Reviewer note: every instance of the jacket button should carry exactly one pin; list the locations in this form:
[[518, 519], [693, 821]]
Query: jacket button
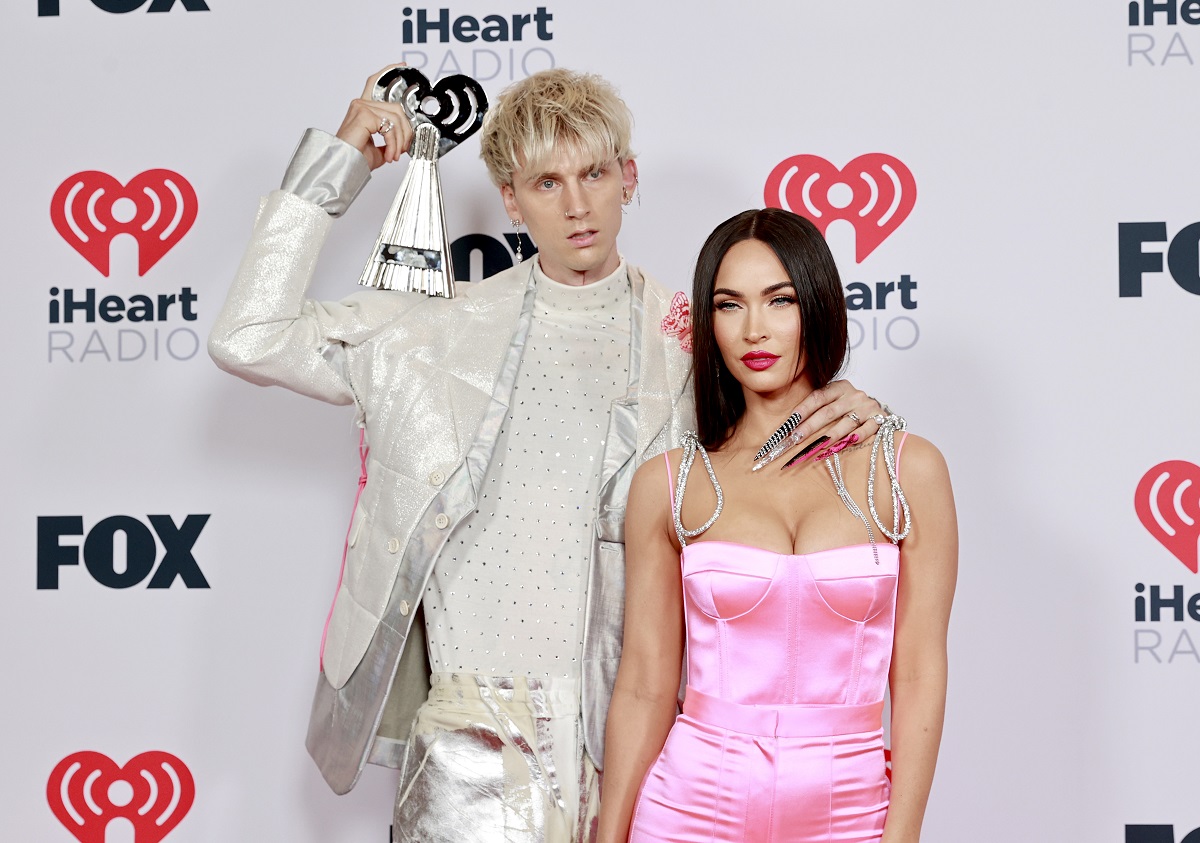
[[404, 607], [441, 521], [436, 478], [393, 545]]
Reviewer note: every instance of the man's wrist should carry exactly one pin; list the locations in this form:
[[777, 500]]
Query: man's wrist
[[326, 171]]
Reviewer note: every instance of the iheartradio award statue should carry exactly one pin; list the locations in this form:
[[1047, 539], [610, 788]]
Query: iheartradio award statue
[[412, 251]]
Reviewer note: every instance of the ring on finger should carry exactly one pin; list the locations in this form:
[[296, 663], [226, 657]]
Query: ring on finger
[[853, 416], [385, 126]]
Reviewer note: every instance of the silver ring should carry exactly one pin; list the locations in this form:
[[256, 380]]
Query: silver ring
[[853, 416], [385, 126]]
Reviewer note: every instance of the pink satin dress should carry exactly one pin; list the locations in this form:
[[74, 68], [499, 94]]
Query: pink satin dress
[[781, 738]]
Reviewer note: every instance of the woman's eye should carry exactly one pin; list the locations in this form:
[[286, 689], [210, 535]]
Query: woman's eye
[[783, 301], [725, 305]]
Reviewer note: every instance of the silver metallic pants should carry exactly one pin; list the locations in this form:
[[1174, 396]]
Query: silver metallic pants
[[497, 760]]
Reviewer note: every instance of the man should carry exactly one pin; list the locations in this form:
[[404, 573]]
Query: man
[[503, 428]]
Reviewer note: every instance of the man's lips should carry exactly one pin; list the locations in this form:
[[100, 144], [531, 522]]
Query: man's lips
[[583, 238], [759, 360]]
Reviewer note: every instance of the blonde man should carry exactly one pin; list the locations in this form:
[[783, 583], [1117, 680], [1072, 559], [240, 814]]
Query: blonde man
[[475, 635]]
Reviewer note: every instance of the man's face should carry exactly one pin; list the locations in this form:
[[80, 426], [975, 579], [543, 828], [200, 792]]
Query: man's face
[[572, 208]]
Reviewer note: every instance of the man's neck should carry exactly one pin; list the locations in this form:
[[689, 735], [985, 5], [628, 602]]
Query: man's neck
[[579, 278]]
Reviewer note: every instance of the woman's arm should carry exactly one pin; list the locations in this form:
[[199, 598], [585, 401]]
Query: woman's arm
[[928, 569], [645, 697]]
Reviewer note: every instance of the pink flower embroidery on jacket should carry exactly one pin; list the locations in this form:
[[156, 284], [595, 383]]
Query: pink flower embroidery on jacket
[[678, 322]]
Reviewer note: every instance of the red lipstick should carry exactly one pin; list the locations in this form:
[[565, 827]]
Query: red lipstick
[[759, 360]]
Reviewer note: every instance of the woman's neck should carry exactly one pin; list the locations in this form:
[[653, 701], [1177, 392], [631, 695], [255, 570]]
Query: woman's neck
[[765, 413]]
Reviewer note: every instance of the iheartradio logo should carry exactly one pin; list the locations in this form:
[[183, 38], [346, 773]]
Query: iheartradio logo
[[1168, 503], [152, 793], [156, 208], [874, 193]]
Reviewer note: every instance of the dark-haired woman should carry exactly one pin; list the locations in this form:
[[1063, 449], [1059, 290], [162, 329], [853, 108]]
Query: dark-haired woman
[[806, 592]]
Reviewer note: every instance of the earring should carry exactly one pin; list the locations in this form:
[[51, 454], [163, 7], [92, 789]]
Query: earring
[[516, 224], [637, 190], [625, 199]]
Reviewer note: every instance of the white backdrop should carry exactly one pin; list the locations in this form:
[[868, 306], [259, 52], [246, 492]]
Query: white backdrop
[[1032, 131]]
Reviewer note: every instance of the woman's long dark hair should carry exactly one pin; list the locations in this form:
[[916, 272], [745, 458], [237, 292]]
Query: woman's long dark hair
[[806, 259]]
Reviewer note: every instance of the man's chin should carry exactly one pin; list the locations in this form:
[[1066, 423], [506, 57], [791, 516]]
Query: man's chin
[[590, 262]]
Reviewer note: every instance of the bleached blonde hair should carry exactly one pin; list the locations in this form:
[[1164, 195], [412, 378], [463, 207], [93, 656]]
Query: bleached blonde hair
[[537, 116]]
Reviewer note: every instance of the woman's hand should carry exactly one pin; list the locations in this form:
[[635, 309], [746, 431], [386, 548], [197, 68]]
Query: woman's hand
[[367, 117], [842, 413]]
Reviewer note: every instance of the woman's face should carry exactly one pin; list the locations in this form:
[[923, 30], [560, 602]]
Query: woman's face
[[756, 319]]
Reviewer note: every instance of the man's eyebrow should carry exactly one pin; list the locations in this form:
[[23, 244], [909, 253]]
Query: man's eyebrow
[[539, 175], [593, 167], [556, 176]]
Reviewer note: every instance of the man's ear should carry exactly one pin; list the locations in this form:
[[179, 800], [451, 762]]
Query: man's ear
[[629, 176], [510, 202]]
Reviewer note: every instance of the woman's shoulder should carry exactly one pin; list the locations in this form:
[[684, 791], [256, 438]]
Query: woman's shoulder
[[654, 470], [919, 460]]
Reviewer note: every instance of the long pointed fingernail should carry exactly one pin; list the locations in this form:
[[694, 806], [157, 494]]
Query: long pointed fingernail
[[808, 449], [787, 427], [837, 447], [788, 442]]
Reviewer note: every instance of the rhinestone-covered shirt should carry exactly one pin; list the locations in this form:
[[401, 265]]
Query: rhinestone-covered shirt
[[506, 596]]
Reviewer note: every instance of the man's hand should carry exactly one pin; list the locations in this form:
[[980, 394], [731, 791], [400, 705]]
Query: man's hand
[[366, 118]]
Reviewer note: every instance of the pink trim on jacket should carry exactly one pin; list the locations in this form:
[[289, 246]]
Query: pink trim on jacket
[[363, 452]]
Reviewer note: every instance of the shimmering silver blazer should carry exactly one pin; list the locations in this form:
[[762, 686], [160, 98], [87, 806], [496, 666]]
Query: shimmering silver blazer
[[431, 379]]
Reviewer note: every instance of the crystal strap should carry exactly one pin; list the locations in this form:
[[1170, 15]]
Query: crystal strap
[[691, 444], [834, 464], [888, 425], [887, 436]]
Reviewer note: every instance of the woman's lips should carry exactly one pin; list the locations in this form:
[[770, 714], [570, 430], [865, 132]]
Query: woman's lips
[[759, 360]]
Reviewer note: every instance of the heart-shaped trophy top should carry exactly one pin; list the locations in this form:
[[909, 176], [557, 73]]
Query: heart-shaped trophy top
[[461, 102]]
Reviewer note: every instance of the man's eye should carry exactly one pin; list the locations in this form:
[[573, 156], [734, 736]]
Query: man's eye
[[546, 184]]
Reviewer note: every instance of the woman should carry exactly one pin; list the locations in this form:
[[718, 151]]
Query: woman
[[798, 609]]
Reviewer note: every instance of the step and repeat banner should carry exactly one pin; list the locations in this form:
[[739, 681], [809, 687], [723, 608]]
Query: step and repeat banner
[[1010, 191]]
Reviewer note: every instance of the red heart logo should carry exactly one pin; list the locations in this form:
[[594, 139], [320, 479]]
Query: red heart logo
[[164, 208], [1168, 503], [87, 790], [879, 194]]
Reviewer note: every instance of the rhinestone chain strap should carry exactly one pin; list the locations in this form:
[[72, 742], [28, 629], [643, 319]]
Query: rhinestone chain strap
[[691, 444], [888, 425], [887, 435], [834, 464]]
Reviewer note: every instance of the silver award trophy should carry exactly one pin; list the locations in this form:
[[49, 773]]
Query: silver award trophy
[[413, 249]]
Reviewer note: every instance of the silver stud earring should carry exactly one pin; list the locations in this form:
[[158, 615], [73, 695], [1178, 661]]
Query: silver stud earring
[[516, 224]]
